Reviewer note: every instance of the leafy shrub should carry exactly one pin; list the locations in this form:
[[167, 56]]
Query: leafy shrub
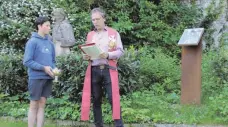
[[129, 65], [220, 65], [162, 69], [210, 80], [13, 77], [72, 76], [218, 105], [216, 69]]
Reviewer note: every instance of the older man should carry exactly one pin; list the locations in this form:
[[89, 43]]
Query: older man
[[102, 72]]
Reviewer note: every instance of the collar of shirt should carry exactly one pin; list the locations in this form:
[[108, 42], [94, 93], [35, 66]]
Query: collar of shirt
[[105, 29]]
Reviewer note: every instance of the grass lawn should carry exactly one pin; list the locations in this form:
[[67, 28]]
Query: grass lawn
[[17, 124], [8, 123]]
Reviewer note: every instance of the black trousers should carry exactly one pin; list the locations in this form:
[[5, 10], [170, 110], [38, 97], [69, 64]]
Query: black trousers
[[101, 79]]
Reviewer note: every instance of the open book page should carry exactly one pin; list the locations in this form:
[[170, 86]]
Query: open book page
[[92, 50]]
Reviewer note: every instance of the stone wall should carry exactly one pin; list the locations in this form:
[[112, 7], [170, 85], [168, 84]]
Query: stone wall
[[220, 25]]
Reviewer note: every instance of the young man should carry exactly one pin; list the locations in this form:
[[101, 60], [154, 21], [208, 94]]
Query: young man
[[39, 57], [102, 72]]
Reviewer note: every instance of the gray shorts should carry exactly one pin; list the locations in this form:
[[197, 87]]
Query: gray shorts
[[39, 88]]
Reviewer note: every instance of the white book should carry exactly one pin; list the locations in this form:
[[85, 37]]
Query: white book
[[91, 50]]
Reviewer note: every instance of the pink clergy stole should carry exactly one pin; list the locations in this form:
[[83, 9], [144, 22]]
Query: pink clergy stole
[[86, 94]]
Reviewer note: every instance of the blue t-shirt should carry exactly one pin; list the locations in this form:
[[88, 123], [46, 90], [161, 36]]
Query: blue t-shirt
[[39, 52]]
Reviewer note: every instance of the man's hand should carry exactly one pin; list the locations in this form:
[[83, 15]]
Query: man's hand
[[48, 70], [104, 55], [86, 57]]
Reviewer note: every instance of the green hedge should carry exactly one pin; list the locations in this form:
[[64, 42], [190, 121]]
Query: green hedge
[[135, 72], [137, 21], [13, 75], [146, 67]]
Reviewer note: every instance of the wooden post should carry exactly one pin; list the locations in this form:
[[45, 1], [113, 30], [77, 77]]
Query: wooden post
[[191, 42], [191, 74]]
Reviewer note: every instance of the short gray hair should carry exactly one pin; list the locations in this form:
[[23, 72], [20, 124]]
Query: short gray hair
[[98, 10]]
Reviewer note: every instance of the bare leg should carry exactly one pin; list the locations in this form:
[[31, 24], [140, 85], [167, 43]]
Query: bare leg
[[40, 114], [32, 113]]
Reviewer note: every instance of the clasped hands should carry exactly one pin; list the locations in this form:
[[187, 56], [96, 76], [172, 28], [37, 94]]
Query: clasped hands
[[103, 55], [51, 72]]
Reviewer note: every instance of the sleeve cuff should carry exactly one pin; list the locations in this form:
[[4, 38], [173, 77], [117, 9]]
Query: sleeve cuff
[[111, 55], [41, 67]]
